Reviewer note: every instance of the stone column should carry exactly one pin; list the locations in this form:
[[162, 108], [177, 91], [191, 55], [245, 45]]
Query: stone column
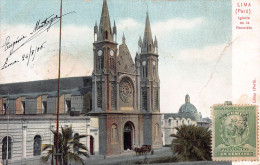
[[24, 142], [88, 135]]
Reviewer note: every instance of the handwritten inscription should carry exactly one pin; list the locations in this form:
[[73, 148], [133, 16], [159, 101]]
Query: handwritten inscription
[[27, 56], [11, 46], [46, 23]]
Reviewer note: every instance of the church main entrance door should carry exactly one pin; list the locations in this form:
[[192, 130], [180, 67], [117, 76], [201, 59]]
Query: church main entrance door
[[128, 136]]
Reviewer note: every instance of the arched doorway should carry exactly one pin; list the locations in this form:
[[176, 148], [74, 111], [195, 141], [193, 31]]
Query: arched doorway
[[91, 145], [128, 135]]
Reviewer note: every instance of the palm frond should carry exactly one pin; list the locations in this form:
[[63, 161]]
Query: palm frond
[[46, 146], [81, 136], [83, 153], [75, 157], [45, 158]]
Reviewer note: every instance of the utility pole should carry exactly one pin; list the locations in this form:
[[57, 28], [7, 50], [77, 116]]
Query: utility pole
[[7, 141], [58, 92]]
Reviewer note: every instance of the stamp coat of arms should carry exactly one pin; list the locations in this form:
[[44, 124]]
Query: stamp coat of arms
[[234, 132]]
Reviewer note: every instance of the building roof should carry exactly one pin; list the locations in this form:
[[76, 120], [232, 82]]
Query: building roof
[[187, 107], [72, 85], [187, 110]]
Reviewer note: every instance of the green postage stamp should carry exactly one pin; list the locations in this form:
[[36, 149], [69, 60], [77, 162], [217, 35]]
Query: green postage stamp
[[234, 132]]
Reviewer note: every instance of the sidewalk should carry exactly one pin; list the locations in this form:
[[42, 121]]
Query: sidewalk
[[127, 158]]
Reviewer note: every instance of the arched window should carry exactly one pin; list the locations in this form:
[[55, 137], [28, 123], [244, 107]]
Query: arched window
[[7, 147], [106, 34], [37, 145], [76, 138], [144, 69], [169, 122], [156, 127], [154, 63], [113, 133], [95, 37]]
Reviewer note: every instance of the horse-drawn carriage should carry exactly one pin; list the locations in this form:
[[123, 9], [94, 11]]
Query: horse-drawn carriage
[[143, 150]]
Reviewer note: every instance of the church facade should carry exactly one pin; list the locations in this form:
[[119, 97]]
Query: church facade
[[118, 106], [125, 93]]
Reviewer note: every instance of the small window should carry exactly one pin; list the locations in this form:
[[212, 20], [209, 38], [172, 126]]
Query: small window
[[37, 145], [44, 107], [170, 122], [23, 107], [4, 108], [68, 105]]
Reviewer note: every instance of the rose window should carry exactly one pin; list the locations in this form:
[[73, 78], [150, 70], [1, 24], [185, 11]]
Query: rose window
[[126, 90]]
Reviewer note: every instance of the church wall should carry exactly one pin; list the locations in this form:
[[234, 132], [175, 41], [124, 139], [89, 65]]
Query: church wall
[[111, 146], [147, 129], [156, 131], [102, 135], [140, 131], [114, 144]]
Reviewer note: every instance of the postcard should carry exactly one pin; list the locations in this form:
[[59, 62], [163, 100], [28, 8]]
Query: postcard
[[130, 75]]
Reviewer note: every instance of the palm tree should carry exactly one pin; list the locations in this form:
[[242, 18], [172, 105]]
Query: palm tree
[[69, 147], [191, 143]]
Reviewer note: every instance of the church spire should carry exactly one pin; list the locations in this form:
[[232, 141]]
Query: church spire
[[123, 39], [105, 32], [148, 46]]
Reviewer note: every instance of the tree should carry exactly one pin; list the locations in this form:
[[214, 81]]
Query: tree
[[191, 143], [69, 147]]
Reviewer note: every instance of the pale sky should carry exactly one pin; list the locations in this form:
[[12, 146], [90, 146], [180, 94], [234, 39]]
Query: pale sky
[[193, 37]]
